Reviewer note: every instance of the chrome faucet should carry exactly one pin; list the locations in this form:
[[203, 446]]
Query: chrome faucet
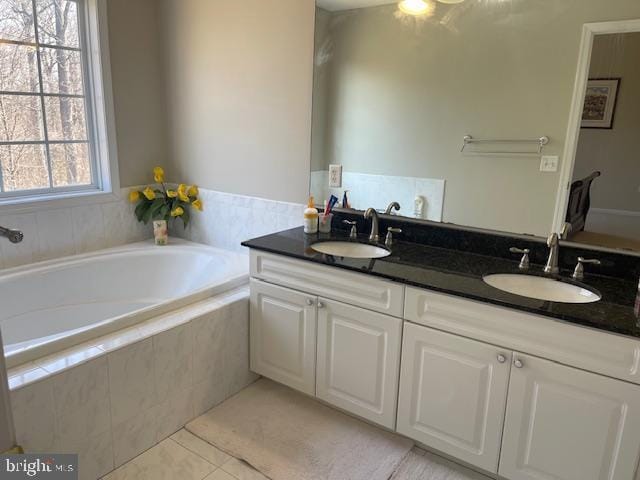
[[371, 213], [578, 273], [14, 236], [553, 242], [392, 206]]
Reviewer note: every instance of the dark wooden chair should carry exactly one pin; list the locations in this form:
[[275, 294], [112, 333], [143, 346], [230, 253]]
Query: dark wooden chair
[[580, 203]]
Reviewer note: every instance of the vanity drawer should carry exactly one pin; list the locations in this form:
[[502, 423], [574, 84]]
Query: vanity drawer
[[600, 352], [329, 282]]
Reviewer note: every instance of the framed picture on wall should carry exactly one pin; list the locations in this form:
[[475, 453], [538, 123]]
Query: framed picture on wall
[[600, 103]]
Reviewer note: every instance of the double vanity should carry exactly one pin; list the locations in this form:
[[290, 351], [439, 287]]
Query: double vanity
[[414, 336]]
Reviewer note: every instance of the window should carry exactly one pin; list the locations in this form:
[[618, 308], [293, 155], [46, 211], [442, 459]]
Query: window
[[48, 134]]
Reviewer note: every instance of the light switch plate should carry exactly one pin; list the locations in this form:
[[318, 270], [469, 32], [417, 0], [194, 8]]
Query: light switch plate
[[549, 163], [335, 176]]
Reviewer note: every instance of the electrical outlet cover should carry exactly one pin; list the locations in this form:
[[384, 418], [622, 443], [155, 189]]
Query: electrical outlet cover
[[549, 163], [335, 176]]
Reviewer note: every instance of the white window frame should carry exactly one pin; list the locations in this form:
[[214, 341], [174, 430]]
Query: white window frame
[[101, 132]]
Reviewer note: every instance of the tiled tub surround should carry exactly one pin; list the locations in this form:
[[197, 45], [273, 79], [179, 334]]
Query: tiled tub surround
[[229, 219], [52, 305], [116, 397], [378, 191], [60, 232]]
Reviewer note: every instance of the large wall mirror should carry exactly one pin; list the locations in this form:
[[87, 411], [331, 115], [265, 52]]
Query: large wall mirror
[[471, 112]]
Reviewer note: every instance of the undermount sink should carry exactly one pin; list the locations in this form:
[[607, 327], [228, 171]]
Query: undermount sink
[[350, 250], [542, 288]]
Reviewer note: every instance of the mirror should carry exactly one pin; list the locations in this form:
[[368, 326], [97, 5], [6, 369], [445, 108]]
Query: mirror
[[604, 203], [463, 113]]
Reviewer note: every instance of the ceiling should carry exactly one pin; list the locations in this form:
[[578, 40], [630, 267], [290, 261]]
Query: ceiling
[[337, 5]]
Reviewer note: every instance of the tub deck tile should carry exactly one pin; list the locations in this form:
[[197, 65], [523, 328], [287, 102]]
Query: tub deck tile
[[71, 357], [25, 374]]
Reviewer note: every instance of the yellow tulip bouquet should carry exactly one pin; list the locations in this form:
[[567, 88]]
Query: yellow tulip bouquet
[[164, 203]]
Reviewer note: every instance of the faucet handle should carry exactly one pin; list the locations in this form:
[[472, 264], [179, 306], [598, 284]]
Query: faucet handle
[[578, 273], [390, 231], [524, 262], [354, 231]]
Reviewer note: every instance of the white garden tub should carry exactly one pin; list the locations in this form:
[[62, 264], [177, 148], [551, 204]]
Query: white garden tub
[[48, 306]]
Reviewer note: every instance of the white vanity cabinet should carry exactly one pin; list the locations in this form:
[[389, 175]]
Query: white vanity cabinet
[[566, 424], [452, 394], [358, 361], [321, 340], [283, 335], [519, 395], [561, 423]]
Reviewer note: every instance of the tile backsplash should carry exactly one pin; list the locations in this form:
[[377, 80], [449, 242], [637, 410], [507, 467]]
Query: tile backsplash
[[378, 191], [55, 233]]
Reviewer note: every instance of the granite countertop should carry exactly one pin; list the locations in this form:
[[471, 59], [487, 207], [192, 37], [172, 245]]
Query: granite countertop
[[460, 273]]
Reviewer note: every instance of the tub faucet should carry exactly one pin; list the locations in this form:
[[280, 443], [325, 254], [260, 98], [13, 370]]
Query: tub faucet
[[14, 236], [554, 250], [392, 206], [371, 213]]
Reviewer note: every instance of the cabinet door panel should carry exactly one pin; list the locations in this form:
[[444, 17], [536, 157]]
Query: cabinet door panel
[[567, 424], [283, 335], [452, 395], [358, 361]]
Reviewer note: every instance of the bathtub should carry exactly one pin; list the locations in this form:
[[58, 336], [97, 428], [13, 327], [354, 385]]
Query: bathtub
[[49, 306]]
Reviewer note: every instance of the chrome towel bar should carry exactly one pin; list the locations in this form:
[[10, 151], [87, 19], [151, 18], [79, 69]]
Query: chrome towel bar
[[541, 142]]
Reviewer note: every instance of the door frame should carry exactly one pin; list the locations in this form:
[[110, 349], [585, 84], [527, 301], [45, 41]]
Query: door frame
[[589, 32]]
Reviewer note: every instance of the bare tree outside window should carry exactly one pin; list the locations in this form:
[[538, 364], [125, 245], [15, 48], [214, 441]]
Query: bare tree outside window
[[43, 117]]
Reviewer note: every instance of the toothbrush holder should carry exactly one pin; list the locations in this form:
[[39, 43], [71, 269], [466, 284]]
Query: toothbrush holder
[[325, 223]]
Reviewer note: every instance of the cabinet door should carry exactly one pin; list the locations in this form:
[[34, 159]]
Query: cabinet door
[[567, 424], [452, 394], [358, 360], [283, 335]]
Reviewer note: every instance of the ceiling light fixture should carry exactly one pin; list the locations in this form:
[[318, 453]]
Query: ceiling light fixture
[[421, 7], [414, 7]]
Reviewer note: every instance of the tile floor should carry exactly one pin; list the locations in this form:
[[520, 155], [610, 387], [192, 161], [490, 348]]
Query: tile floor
[[183, 456]]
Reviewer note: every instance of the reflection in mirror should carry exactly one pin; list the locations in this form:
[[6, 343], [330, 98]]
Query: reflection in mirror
[[395, 95], [604, 203]]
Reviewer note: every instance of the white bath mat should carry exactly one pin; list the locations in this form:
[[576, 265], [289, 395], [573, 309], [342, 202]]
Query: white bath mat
[[288, 436], [421, 465]]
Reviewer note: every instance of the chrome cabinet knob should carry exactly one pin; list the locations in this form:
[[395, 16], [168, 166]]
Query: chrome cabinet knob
[[518, 363], [309, 302], [502, 358], [320, 305]]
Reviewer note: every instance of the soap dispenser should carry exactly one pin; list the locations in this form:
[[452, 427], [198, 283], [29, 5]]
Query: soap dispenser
[[311, 218]]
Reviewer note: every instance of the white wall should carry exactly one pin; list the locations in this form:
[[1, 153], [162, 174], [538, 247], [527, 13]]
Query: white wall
[[239, 86], [401, 97], [138, 88]]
